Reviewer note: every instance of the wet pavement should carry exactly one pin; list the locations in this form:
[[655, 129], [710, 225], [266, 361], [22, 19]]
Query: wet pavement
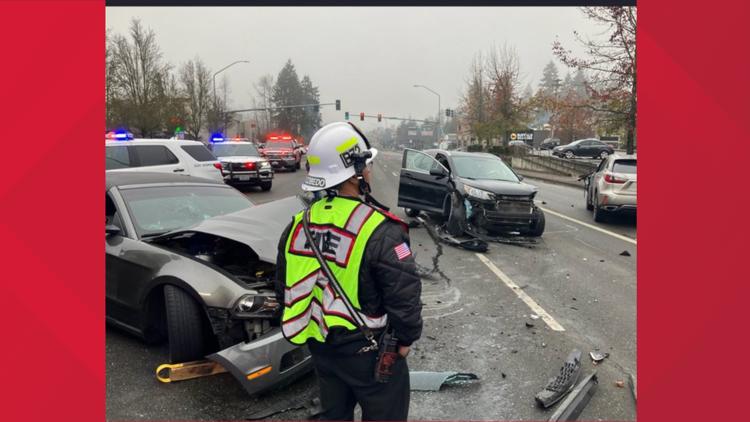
[[475, 321]]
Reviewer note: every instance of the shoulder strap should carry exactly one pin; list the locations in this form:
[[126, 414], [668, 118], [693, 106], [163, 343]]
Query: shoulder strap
[[336, 286]]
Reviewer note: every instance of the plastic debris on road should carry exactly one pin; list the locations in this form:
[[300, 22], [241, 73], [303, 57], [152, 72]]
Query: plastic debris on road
[[433, 381], [598, 356], [559, 386], [625, 253]]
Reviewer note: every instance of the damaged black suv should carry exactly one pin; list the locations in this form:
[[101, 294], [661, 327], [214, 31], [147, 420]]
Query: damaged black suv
[[471, 191]]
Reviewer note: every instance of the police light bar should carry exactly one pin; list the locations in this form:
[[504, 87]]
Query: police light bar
[[217, 137], [120, 135]]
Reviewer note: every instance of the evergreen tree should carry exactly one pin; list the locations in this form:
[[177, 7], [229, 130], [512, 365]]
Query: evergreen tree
[[312, 119], [288, 92]]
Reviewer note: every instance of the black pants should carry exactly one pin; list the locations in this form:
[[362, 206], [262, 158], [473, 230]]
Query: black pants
[[348, 379]]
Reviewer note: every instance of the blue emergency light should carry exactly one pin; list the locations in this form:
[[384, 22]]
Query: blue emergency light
[[120, 135], [217, 137]]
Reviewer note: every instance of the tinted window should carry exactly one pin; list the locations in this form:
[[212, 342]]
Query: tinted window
[[199, 152], [117, 157], [624, 166], [487, 168], [161, 209], [228, 150], [154, 155]]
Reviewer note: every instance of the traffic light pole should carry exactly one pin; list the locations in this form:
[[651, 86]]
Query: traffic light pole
[[279, 108]]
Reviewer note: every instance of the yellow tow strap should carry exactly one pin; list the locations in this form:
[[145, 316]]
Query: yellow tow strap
[[170, 372]]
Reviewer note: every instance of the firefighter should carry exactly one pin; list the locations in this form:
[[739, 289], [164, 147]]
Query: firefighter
[[367, 250]]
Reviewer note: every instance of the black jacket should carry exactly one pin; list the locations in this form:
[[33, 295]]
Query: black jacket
[[386, 284]]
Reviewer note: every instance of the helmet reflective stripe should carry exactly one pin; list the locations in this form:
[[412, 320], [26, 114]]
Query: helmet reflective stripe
[[330, 155], [349, 144]]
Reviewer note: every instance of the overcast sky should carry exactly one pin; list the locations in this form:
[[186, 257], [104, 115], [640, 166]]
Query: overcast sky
[[369, 57]]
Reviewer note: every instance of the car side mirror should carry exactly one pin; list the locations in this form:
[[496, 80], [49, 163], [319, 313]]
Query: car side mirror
[[438, 171], [112, 230]]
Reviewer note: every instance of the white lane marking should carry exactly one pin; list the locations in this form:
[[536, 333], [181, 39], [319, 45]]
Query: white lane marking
[[394, 174], [591, 226], [443, 315], [554, 325]]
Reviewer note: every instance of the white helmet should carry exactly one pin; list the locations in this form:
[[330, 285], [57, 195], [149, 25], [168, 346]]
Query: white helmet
[[331, 155]]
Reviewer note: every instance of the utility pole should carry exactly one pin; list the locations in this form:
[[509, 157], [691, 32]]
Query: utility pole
[[439, 129]]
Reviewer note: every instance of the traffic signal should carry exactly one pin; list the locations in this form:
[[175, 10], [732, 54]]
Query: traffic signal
[[380, 117], [346, 115], [362, 116], [447, 112], [338, 105]]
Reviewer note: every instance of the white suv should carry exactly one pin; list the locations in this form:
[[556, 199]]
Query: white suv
[[162, 155]]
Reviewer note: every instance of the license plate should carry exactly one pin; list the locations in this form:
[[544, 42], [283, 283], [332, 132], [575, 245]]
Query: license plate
[[243, 178]]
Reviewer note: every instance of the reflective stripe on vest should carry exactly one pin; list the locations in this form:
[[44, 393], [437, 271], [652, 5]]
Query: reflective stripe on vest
[[341, 228]]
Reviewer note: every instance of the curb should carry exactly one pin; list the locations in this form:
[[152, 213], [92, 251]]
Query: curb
[[550, 179]]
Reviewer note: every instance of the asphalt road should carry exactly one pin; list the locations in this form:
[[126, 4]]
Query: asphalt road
[[474, 322]]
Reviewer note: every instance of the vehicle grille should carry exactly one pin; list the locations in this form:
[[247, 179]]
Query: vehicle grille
[[235, 167], [513, 205]]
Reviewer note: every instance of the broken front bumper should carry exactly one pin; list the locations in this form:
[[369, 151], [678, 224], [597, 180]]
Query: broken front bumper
[[264, 363], [502, 215]]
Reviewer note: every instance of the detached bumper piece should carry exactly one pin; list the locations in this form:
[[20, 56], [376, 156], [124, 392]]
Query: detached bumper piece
[[573, 405], [433, 381], [559, 386], [268, 362]]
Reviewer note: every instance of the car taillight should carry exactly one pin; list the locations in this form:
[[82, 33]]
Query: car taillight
[[611, 178], [250, 166]]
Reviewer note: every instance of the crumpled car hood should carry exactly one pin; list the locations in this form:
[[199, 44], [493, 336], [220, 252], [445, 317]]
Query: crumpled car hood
[[259, 227]]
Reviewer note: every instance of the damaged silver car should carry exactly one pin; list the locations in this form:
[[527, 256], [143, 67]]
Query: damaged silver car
[[192, 261]]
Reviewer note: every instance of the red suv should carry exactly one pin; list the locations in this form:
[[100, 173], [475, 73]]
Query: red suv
[[283, 151]]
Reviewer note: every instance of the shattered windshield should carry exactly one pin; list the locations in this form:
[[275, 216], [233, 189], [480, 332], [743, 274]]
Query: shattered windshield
[[483, 168], [158, 210]]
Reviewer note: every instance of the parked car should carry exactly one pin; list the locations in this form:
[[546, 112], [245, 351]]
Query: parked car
[[593, 148], [192, 261], [283, 151], [469, 191], [612, 187], [242, 164], [520, 145], [549, 143], [161, 155]]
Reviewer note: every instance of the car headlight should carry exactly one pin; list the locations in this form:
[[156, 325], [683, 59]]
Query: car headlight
[[478, 193], [255, 306]]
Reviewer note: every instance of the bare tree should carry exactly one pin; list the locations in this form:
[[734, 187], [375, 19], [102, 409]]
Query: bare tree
[[138, 72], [264, 91], [476, 99], [195, 79], [611, 66]]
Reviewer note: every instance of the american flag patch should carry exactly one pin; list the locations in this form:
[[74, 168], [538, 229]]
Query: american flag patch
[[402, 251]]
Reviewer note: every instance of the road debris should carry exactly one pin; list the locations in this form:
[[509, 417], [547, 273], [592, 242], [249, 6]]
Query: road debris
[[625, 253], [534, 316], [598, 356], [529, 324], [633, 386], [559, 386], [434, 381], [312, 405], [573, 405], [620, 384]]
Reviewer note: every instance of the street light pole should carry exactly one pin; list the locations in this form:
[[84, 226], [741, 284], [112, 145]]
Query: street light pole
[[221, 70], [439, 128]]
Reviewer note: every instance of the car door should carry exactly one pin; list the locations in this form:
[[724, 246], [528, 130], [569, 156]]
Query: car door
[[158, 158], [128, 268], [417, 188]]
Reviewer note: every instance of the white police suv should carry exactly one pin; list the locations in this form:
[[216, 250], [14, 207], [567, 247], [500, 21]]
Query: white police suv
[[124, 154], [241, 162]]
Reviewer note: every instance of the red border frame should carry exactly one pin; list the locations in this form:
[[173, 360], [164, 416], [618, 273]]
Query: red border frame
[[694, 106], [52, 75]]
